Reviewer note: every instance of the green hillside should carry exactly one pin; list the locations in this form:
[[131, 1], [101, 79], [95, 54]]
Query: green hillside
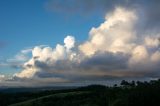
[[52, 99], [77, 98]]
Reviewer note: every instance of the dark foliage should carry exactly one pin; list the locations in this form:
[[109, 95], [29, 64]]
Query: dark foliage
[[127, 94]]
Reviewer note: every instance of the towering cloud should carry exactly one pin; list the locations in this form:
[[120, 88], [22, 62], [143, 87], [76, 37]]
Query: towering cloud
[[116, 34], [113, 50]]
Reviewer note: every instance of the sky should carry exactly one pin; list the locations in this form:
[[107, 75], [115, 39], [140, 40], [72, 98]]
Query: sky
[[77, 42], [25, 24]]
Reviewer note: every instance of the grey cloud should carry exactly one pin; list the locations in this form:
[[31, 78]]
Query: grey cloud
[[59, 65], [29, 65], [101, 66], [148, 10], [152, 13], [84, 6], [106, 61]]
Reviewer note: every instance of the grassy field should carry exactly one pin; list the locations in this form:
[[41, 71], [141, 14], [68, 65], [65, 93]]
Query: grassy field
[[51, 99]]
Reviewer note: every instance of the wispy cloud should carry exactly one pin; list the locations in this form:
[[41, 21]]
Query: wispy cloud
[[18, 60]]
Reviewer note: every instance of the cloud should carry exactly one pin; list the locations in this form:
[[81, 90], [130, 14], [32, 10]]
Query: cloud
[[17, 61], [155, 56], [115, 34], [84, 6], [2, 78], [114, 50], [148, 10], [26, 51], [18, 58], [46, 57], [69, 42], [152, 41]]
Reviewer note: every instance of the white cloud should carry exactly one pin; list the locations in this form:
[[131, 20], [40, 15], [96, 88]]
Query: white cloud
[[2, 77], [113, 50], [156, 56], [26, 73], [152, 41], [22, 56], [26, 51], [49, 56], [17, 61], [139, 55], [69, 42], [114, 35], [18, 58]]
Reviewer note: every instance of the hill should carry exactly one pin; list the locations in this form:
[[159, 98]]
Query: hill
[[126, 94]]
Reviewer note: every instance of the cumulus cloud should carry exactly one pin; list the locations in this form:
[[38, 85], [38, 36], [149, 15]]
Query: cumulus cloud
[[152, 41], [114, 35], [45, 57], [113, 50], [118, 35], [156, 56], [69, 42]]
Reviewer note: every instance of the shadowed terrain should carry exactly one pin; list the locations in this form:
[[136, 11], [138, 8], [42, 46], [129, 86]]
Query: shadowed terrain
[[126, 94]]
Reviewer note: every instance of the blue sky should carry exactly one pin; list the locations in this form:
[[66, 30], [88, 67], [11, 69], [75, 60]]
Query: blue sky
[[25, 24]]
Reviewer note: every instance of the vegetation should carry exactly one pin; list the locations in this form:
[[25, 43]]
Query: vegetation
[[126, 94]]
